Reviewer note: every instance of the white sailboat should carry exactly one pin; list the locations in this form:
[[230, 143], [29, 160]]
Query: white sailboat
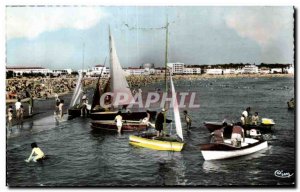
[[120, 96], [77, 92], [165, 143], [118, 83]]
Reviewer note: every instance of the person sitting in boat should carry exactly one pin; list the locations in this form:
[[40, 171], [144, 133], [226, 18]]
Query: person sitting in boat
[[147, 119], [255, 119], [118, 120], [237, 135], [107, 102], [188, 119], [36, 154], [125, 109], [159, 123], [245, 116], [218, 134]]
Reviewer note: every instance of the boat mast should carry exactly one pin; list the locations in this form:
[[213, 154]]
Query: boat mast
[[166, 67], [83, 46], [166, 53]]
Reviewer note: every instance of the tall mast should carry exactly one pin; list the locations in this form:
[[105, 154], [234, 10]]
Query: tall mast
[[83, 46], [166, 67], [166, 53]]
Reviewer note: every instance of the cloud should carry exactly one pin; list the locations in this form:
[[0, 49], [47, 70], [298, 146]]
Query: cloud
[[262, 24], [30, 22]]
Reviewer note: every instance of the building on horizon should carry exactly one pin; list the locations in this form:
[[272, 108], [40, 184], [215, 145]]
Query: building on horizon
[[18, 71], [250, 69], [176, 68]]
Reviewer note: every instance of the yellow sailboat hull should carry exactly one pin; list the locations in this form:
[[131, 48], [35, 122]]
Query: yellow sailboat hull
[[155, 144]]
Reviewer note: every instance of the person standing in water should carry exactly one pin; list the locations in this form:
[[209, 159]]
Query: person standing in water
[[21, 118], [18, 107], [188, 119], [10, 117], [30, 107], [118, 120], [60, 109], [57, 102], [36, 154]]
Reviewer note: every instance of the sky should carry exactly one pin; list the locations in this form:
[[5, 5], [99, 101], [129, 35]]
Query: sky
[[76, 37]]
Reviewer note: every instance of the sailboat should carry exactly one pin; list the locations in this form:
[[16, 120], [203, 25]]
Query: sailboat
[[118, 84], [165, 143], [75, 108]]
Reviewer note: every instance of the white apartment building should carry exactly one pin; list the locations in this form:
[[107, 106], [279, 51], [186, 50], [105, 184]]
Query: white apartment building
[[176, 68]]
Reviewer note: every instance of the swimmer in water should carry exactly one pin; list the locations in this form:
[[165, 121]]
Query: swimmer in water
[[36, 153]]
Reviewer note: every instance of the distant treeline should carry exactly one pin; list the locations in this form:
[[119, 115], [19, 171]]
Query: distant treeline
[[240, 65]]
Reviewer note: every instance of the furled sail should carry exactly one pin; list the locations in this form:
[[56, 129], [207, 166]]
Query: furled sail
[[176, 111], [119, 85], [77, 92]]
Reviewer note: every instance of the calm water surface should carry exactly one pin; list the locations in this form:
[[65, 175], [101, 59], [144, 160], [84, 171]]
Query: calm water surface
[[79, 156]]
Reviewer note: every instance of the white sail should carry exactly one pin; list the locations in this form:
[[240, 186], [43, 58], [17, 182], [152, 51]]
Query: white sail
[[118, 83], [176, 111], [78, 90]]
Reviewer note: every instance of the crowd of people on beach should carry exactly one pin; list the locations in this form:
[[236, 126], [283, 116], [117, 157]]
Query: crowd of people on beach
[[37, 87]]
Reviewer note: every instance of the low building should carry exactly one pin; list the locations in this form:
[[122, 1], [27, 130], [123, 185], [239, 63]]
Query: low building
[[97, 70], [229, 71], [134, 71], [264, 70], [290, 69], [250, 69], [58, 72], [214, 71], [276, 70], [33, 70], [160, 70], [192, 70]]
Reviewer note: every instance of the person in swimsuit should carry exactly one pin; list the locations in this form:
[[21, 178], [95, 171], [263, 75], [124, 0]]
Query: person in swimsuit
[[36, 154]]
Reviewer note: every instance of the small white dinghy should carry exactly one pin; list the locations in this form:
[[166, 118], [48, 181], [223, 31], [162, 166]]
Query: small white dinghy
[[216, 151]]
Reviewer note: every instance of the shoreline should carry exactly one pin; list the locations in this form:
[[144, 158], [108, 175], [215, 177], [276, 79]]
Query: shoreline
[[157, 78], [226, 76]]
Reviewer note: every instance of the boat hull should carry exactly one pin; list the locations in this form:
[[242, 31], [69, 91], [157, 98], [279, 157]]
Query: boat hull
[[111, 125], [155, 144], [125, 116], [216, 151], [74, 112], [212, 126]]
